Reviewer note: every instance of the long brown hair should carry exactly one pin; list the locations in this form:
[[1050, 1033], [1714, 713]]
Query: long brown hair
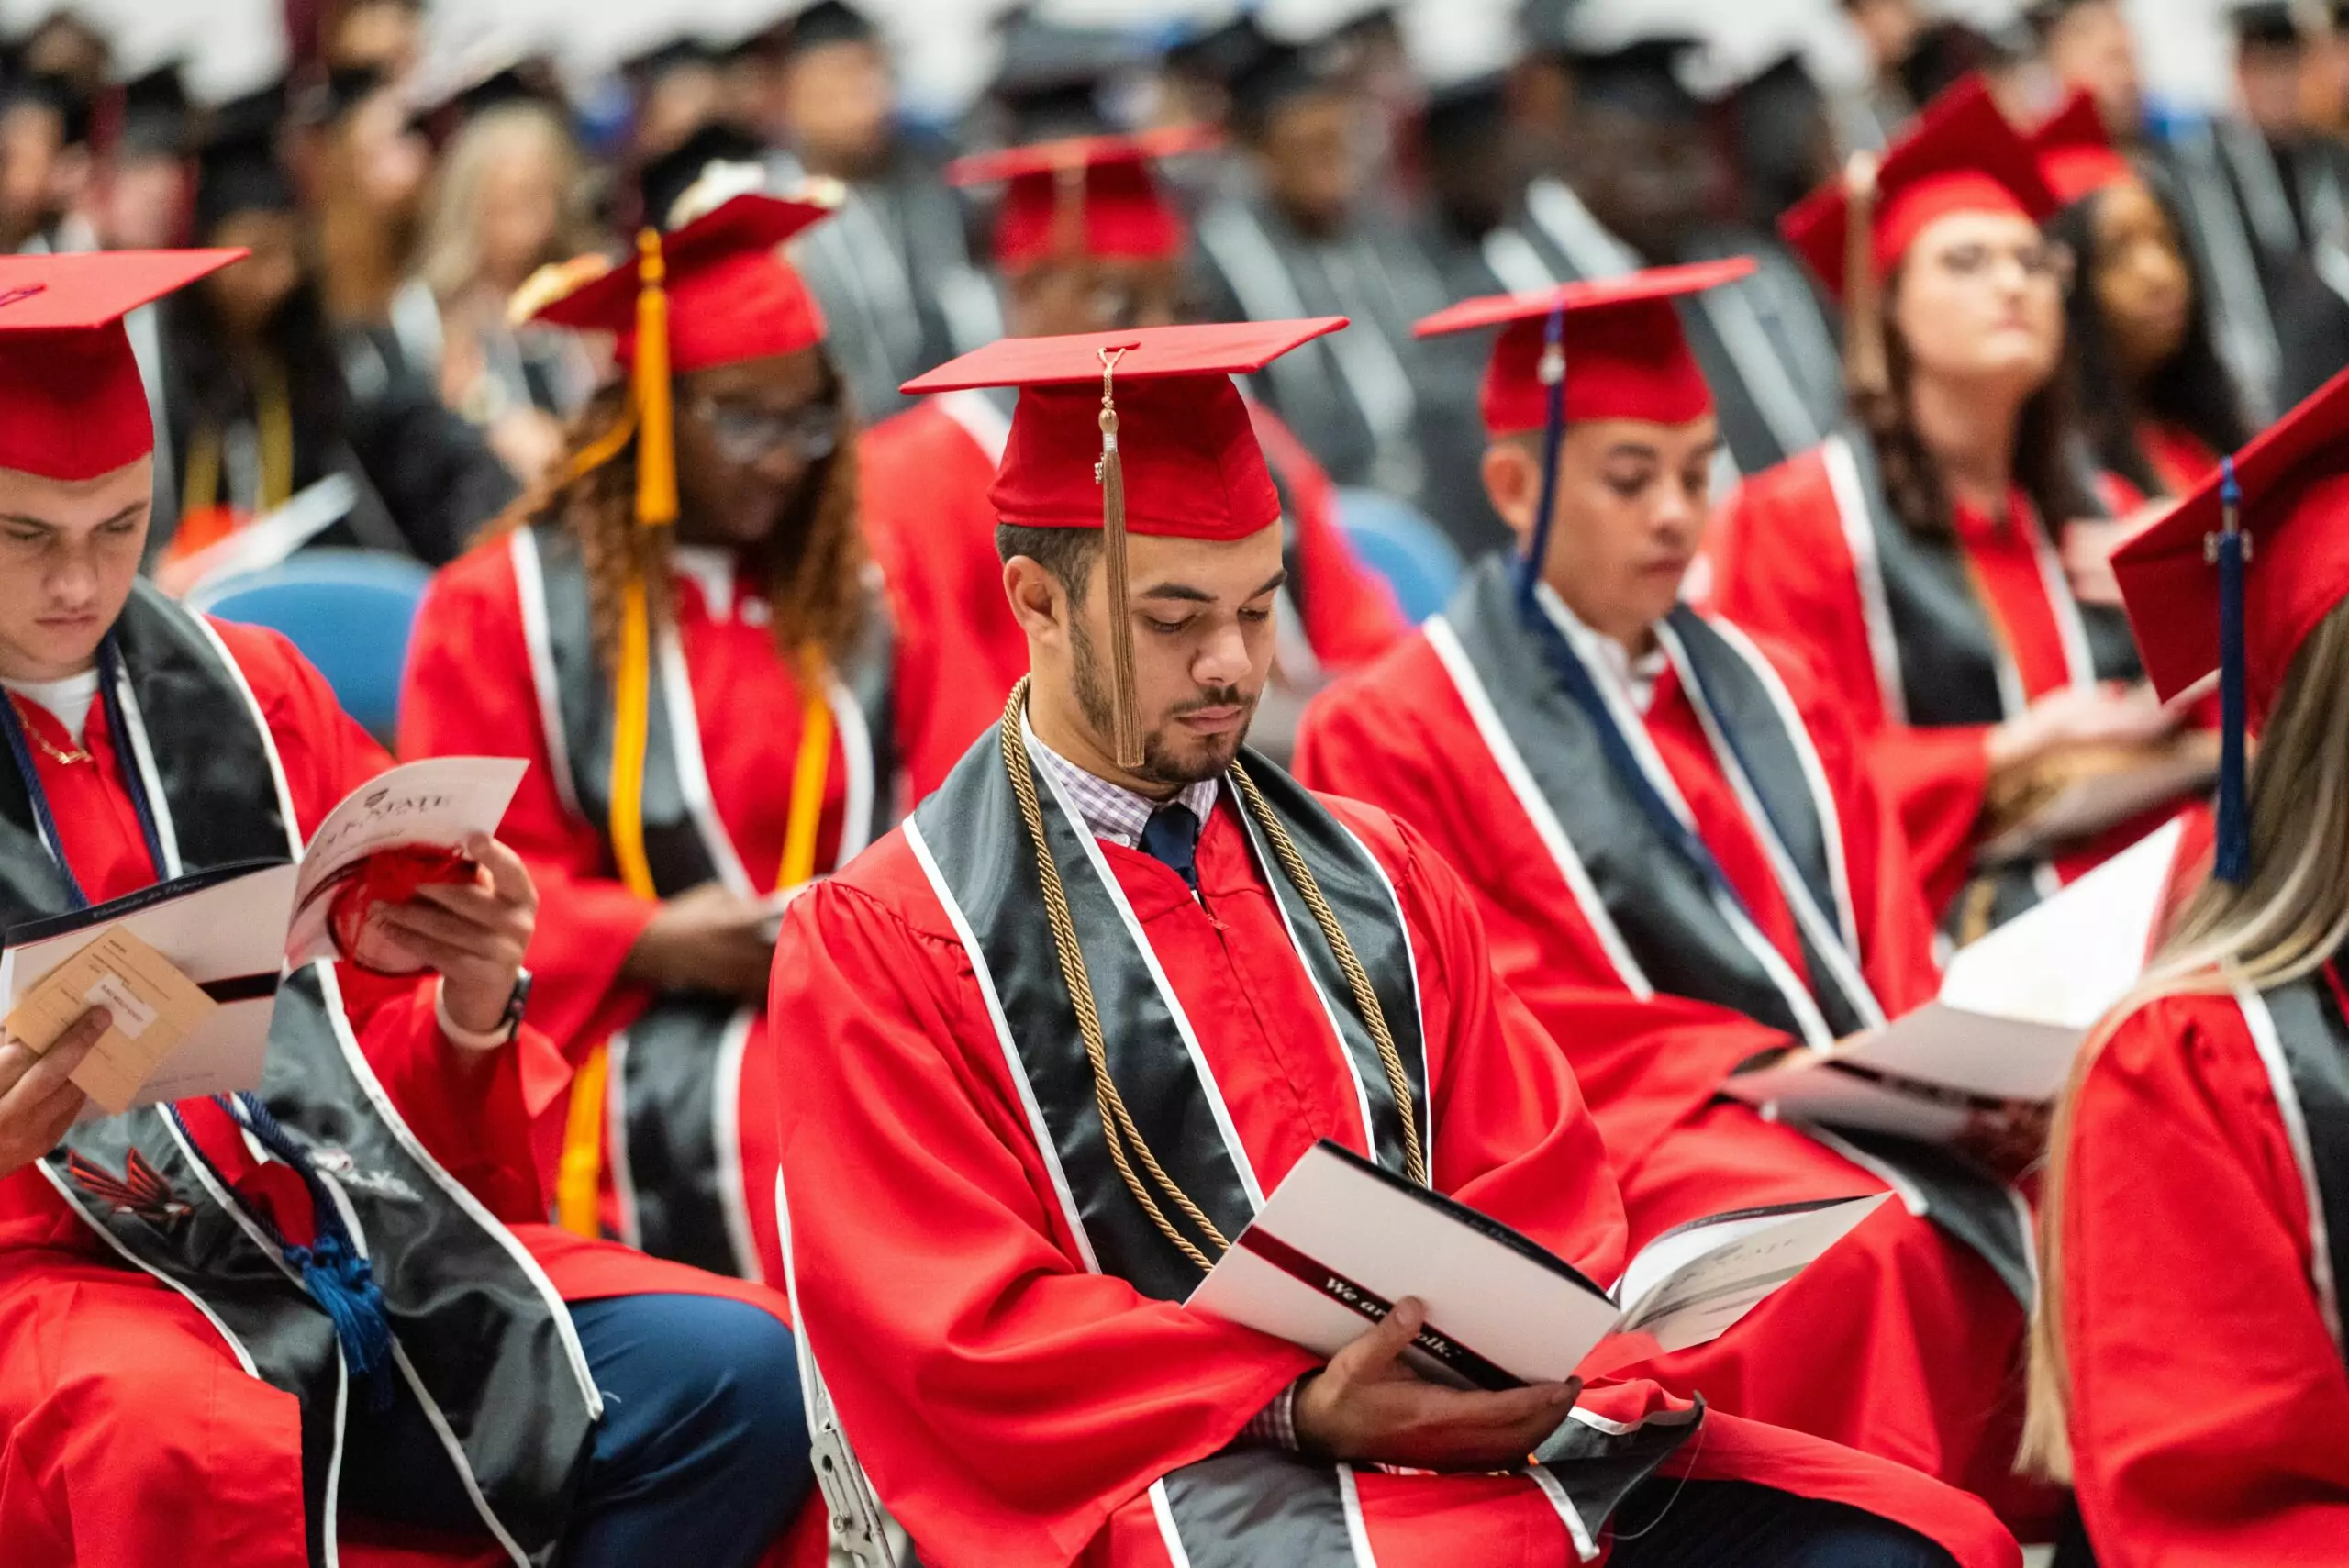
[[2282, 923], [817, 595], [2045, 440]]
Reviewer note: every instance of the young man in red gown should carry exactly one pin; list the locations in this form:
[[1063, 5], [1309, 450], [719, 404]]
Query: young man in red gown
[[318, 1320], [1087, 240], [1645, 800], [1055, 1038]]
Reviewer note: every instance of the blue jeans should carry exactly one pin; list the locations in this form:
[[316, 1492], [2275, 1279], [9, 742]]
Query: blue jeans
[[701, 1456], [1737, 1524]]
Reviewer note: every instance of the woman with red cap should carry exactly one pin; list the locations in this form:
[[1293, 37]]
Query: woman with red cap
[[1086, 241], [1648, 802], [2157, 403], [1915, 559], [680, 635], [323, 1321], [2189, 1369]]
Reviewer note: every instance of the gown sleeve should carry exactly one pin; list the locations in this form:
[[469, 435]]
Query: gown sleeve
[[1004, 1400], [470, 692], [474, 1123], [1780, 567], [2210, 1410]]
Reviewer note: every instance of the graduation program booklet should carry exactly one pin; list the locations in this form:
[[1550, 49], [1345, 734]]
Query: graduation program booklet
[[1998, 1042], [190, 967], [1341, 1240]]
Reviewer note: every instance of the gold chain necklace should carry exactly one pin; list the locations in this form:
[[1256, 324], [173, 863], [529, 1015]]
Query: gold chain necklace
[[25, 722], [1127, 1145]]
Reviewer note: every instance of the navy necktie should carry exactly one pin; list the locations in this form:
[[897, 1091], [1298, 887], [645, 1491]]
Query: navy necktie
[[1172, 839]]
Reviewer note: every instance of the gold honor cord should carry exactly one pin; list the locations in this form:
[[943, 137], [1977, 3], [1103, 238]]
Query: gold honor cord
[[1127, 1145]]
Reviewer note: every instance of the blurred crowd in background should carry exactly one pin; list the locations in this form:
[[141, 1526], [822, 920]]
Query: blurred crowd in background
[[400, 168]]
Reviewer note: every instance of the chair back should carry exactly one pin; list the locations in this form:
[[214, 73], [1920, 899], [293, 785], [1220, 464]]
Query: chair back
[[349, 611], [1396, 539]]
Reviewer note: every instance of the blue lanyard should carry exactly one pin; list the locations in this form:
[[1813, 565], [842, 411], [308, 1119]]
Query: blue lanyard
[[117, 729], [1575, 677]]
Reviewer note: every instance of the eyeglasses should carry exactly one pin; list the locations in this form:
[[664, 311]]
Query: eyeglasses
[[746, 434], [2037, 260]]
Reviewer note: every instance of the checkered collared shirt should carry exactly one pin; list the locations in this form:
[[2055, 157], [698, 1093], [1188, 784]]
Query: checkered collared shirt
[[1112, 811]]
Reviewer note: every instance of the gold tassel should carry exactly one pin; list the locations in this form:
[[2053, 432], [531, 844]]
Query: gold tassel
[[631, 720], [1865, 367], [1125, 719], [579, 1173], [809, 772], [656, 437]]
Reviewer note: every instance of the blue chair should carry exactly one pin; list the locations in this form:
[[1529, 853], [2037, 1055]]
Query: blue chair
[[350, 612], [1394, 540]]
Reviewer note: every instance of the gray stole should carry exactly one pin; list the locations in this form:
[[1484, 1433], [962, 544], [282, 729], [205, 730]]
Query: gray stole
[[1664, 925], [1938, 656], [676, 1072], [484, 1342], [2303, 1039], [1243, 1507]]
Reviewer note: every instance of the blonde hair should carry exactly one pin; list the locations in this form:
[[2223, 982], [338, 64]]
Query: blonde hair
[[2279, 926], [451, 253]]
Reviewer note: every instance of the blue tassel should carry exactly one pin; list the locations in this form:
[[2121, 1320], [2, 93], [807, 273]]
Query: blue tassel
[[2231, 859], [343, 1284], [1553, 438]]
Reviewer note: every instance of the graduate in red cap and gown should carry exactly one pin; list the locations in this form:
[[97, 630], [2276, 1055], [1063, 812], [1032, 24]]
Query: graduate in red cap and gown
[[1087, 240], [2157, 401], [1914, 561], [682, 639], [1053, 1039], [2189, 1375], [1645, 800], [321, 1321]]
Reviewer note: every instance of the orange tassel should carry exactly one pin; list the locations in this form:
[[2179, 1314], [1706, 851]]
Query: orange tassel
[[656, 434]]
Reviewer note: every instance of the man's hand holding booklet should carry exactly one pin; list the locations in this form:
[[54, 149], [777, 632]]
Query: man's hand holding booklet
[[188, 969], [1341, 1240]]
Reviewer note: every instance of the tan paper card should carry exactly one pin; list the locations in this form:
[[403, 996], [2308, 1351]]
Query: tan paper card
[[154, 1008]]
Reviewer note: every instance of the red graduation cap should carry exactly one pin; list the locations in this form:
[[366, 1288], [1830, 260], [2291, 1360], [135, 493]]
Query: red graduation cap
[[1139, 432], [716, 290], [1961, 156], [2238, 573], [71, 405], [1623, 352], [1088, 195], [2076, 157]]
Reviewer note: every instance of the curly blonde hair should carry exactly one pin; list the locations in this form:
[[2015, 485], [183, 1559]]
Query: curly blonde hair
[[818, 594]]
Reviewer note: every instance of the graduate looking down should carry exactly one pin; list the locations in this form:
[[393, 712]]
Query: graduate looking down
[[1646, 800], [291, 1327], [1914, 557], [680, 634], [1051, 1040]]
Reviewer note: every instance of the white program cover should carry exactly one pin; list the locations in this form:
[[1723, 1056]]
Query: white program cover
[[2012, 1010], [440, 802]]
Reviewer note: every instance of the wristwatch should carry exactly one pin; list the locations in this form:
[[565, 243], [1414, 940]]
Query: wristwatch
[[509, 1023]]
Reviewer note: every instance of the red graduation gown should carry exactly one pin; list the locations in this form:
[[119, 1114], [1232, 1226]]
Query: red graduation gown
[[925, 475], [1014, 1409], [1781, 568], [1921, 1334], [129, 1437], [470, 692], [2210, 1408]]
